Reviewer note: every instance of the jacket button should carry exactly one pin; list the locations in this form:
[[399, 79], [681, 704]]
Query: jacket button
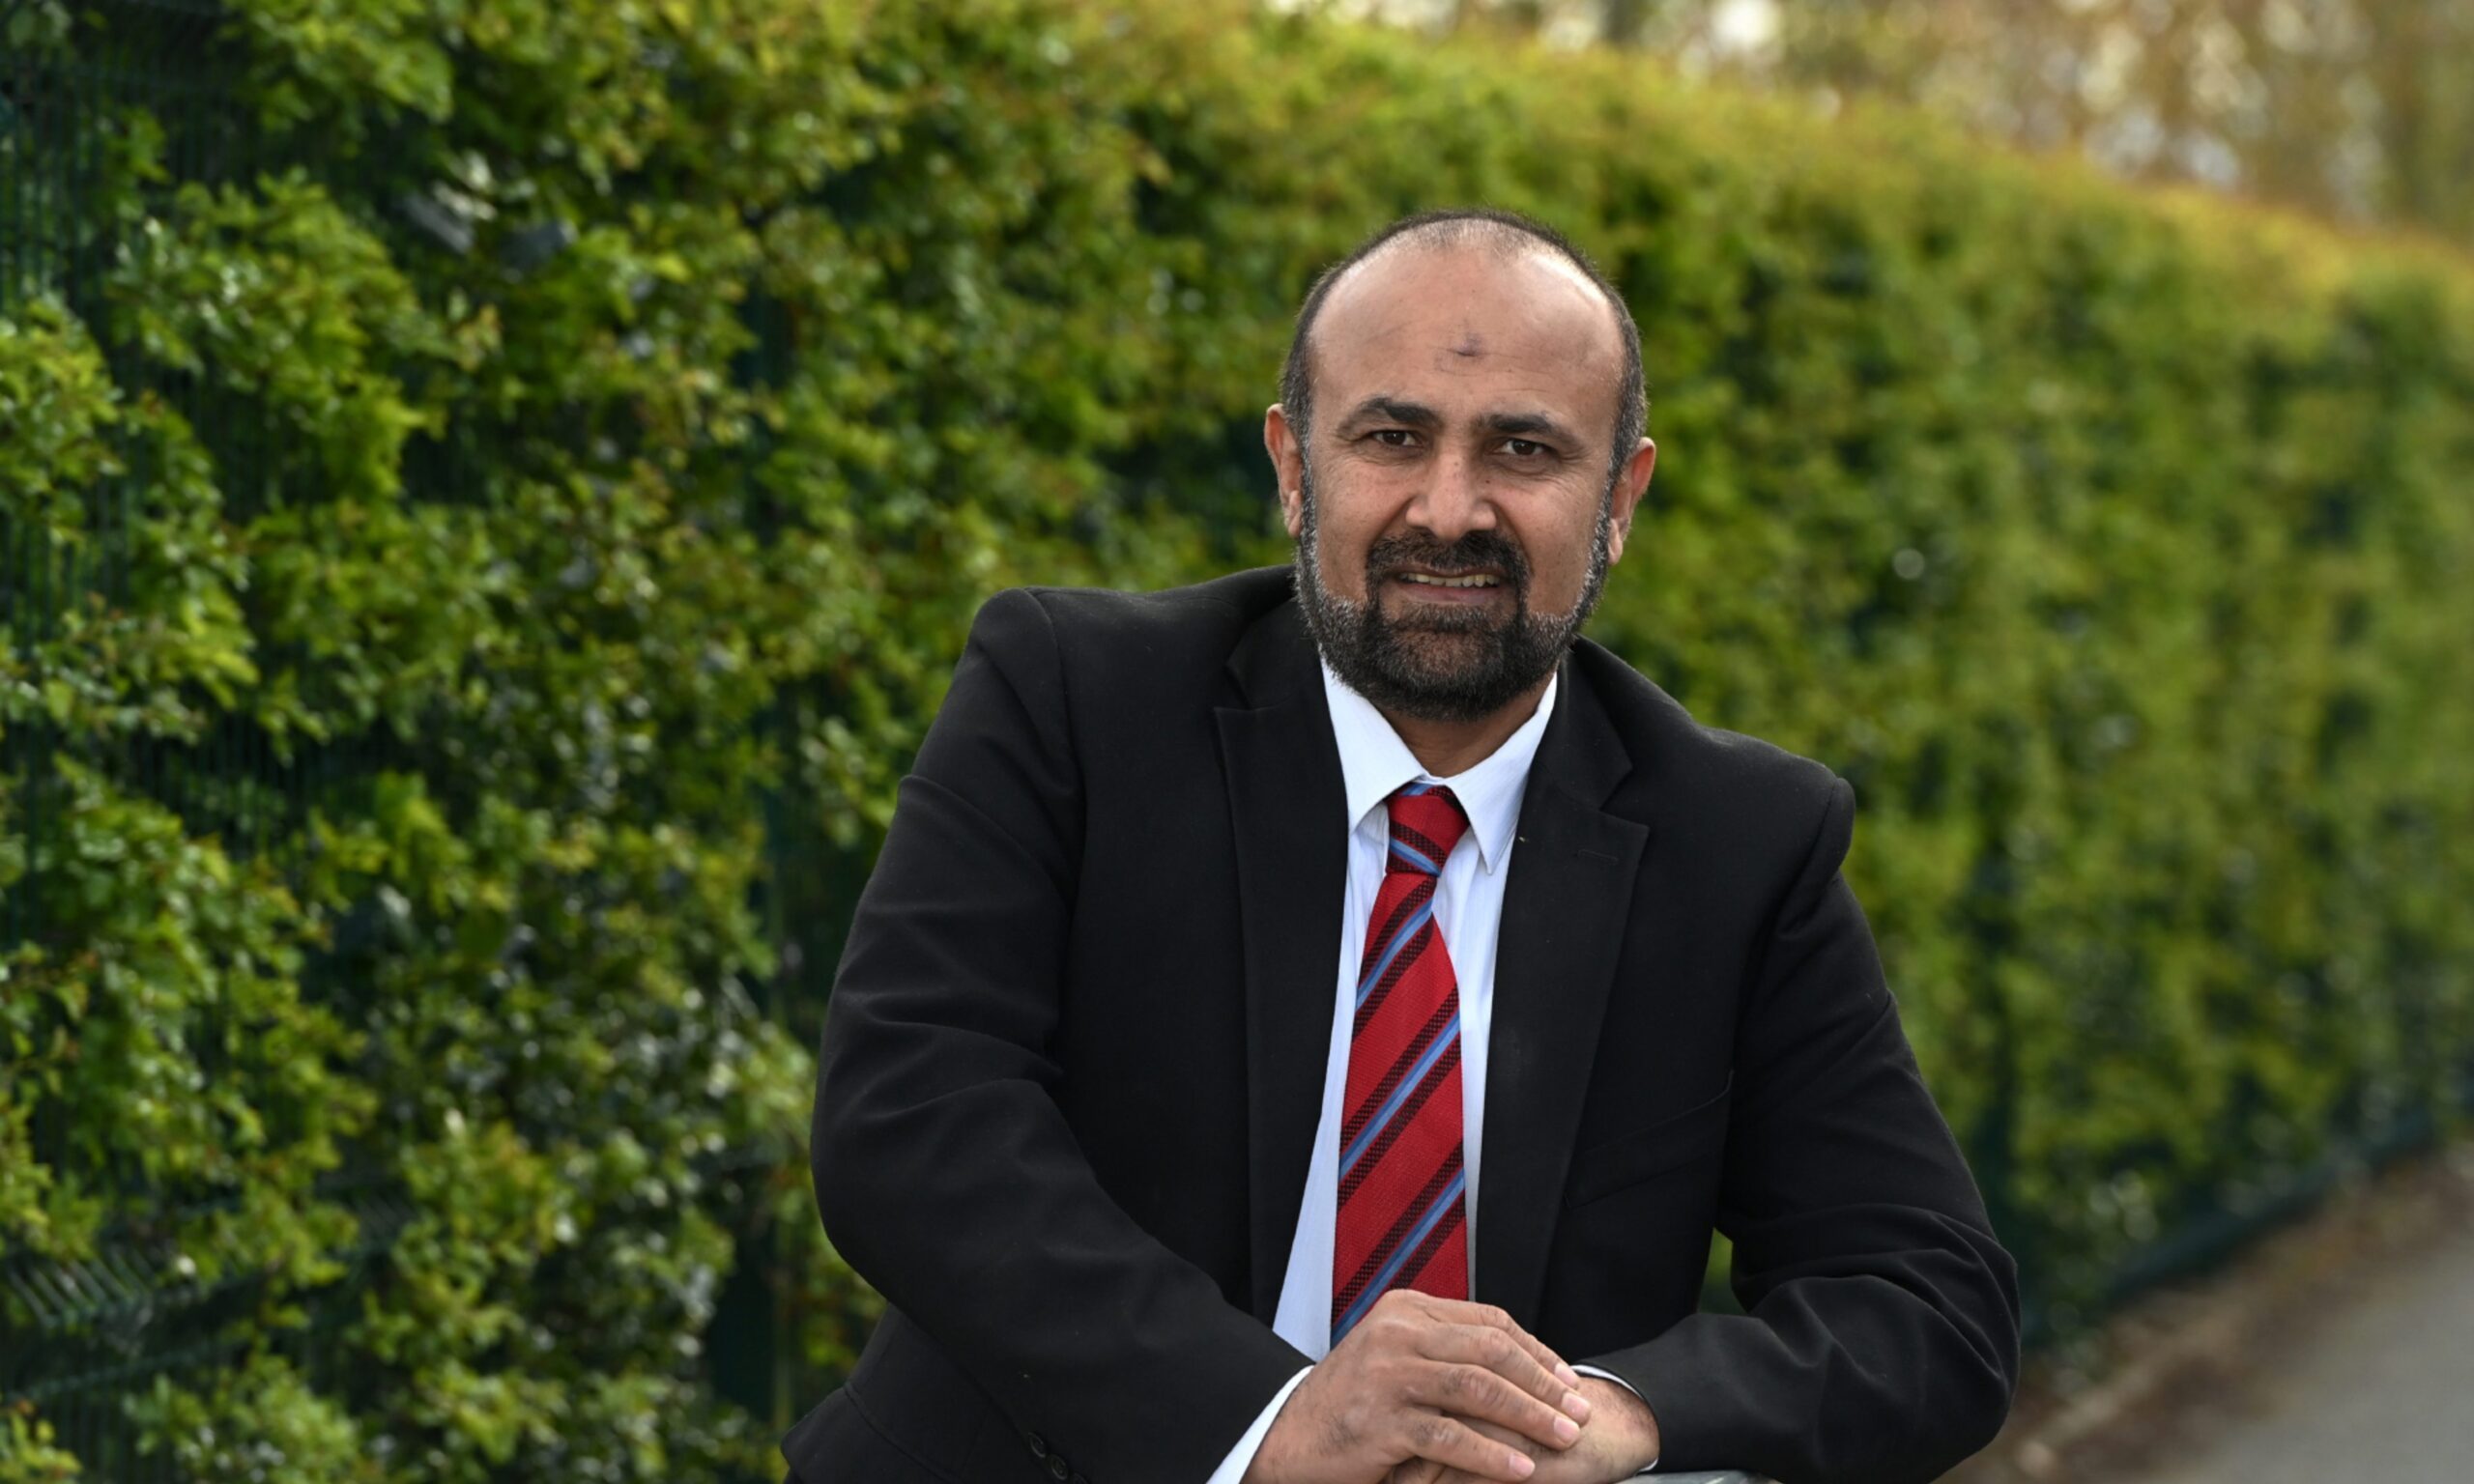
[[1039, 1447], [1057, 1468]]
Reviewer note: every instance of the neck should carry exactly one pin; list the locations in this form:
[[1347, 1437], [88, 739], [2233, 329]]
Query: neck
[[1448, 748]]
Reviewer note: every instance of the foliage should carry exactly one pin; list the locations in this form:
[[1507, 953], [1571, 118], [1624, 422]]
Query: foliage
[[29, 1453], [2354, 110], [571, 465], [255, 1424]]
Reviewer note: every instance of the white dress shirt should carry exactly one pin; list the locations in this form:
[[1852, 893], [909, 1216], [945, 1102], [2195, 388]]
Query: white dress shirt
[[1468, 908]]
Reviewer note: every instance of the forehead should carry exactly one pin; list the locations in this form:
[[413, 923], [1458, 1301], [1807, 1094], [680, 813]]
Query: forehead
[[1468, 327]]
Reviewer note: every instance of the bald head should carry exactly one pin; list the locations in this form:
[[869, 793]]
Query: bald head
[[1516, 248]]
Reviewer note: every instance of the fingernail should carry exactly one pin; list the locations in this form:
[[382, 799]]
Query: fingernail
[[1566, 1429], [1566, 1375], [1577, 1405], [1522, 1466]]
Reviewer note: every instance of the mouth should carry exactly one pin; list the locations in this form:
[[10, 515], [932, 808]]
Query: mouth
[[1454, 588]]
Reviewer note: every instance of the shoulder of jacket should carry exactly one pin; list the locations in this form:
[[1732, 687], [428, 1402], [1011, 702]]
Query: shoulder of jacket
[[1728, 779], [1106, 625]]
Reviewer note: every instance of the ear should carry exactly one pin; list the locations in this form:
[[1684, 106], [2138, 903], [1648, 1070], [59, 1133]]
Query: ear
[[1289, 467], [1629, 487]]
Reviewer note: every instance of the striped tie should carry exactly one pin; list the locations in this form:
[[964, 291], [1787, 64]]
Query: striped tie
[[1401, 1223]]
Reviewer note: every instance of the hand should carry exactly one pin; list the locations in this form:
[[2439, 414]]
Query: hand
[[1619, 1440], [1416, 1380]]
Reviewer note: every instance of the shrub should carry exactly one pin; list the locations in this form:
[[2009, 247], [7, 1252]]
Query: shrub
[[499, 496]]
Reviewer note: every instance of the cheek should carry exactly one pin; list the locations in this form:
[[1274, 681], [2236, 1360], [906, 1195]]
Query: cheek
[[1343, 535], [1555, 547], [1558, 555]]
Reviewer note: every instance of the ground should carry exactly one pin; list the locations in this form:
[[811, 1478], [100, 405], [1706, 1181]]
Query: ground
[[2339, 1349]]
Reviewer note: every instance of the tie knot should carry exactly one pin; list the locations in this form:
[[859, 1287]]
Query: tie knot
[[1426, 822]]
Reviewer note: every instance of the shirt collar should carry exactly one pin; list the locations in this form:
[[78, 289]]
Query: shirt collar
[[1374, 763]]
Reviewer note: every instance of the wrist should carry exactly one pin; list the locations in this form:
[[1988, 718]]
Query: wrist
[[1272, 1462], [1631, 1428]]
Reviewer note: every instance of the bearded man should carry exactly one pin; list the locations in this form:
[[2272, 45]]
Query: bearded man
[[1304, 1028]]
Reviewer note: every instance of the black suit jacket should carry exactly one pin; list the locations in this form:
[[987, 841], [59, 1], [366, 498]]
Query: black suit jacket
[[1072, 1067]]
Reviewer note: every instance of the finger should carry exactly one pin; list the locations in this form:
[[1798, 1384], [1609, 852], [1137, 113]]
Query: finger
[[1475, 1394], [1489, 1317], [1488, 1430], [1416, 1471], [1501, 1352], [1455, 1445]]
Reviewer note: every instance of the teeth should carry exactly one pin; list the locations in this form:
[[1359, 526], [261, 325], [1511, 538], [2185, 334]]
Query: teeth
[[1450, 581]]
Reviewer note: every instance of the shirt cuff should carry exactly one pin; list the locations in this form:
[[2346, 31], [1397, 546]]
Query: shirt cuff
[[1232, 1469], [1591, 1370]]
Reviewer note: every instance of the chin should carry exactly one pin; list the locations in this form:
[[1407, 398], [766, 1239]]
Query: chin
[[1447, 618]]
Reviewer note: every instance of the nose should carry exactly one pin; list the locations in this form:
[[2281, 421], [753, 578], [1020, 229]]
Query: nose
[[1454, 500]]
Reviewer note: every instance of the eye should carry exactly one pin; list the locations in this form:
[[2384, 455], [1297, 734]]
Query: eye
[[1392, 437], [1524, 448]]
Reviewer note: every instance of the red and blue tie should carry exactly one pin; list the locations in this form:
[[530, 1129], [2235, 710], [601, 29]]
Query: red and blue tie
[[1401, 1223]]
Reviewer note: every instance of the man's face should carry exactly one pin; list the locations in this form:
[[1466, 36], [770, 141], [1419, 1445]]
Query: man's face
[[1463, 412]]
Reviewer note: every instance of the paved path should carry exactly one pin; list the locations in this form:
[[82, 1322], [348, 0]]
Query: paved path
[[2376, 1387]]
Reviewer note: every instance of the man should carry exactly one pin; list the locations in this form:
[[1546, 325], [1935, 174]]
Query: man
[[1304, 1036]]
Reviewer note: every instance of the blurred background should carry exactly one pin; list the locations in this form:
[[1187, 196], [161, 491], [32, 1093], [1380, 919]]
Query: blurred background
[[491, 494], [2353, 110]]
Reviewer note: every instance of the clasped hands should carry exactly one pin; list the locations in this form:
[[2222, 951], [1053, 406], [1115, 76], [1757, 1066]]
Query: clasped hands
[[1428, 1391]]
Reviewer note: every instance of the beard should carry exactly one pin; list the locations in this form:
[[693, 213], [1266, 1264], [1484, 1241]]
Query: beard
[[1443, 664]]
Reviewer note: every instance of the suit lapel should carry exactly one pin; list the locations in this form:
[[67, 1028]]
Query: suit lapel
[[1565, 904], [1286, 805]]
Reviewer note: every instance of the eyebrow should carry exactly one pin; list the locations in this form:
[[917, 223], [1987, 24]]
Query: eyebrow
[[1416, 414], [1383, 409], [1523, 424]]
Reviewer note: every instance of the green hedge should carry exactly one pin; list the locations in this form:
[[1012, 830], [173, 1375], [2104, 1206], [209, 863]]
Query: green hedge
[[563, 445]]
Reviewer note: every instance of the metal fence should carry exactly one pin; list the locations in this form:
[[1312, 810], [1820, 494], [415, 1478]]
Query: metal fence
[[78, 1340]]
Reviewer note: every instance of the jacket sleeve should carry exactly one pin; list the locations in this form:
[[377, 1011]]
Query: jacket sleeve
[[1880, 1341], [945, 1172]]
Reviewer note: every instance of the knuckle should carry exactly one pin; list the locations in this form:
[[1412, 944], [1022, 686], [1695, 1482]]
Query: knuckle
[[1475, 1455], [1518, 1408]]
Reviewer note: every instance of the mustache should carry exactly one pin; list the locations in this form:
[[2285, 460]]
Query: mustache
[[1478, 551]]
